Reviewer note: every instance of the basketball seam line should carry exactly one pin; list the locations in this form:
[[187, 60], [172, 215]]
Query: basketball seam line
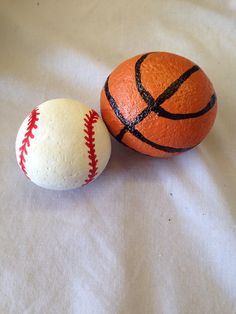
[[90, 119], [183, 116], [26, 140]]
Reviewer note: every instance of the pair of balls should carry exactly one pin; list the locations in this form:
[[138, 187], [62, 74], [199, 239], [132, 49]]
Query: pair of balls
[[159, 104]]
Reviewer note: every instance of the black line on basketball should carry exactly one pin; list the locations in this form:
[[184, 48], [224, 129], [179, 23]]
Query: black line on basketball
[[147, 97], [121, 134], [167, 149], [181, 116], [114, 105]]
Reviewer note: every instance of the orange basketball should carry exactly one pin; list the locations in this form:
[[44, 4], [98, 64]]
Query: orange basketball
[[159, 104]]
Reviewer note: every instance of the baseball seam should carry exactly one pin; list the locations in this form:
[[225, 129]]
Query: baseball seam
[[90, 119], [31, 125]]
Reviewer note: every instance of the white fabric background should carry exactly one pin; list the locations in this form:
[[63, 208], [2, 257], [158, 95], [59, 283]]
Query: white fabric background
[[150, 235]]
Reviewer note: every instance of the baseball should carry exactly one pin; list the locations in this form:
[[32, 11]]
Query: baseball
[[62, 145]]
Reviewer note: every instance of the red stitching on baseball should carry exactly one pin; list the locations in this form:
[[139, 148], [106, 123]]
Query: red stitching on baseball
[[90, 119], [26, 141]]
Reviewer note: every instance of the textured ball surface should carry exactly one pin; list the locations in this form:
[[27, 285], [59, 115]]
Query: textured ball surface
[[62, 144], [159, 104]]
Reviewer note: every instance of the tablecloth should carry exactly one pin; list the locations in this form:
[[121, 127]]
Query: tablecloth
[[149, 236]]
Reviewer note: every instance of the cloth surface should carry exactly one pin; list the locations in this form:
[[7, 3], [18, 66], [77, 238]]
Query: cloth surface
[[149, 235]]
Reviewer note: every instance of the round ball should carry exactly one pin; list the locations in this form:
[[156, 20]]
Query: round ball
[[62, 144], [159, 104]]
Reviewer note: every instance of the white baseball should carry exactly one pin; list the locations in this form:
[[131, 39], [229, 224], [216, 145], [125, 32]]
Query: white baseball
[[62, 144]]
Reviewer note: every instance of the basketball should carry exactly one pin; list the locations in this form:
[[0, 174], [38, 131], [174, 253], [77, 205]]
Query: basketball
[[159, 104]]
